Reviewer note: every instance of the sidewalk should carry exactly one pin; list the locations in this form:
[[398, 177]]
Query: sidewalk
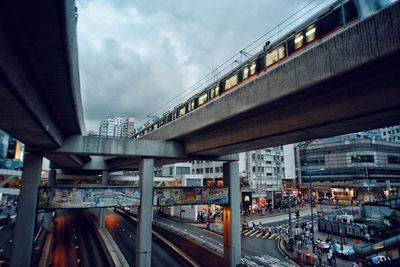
[[275, 216], [340, 260]]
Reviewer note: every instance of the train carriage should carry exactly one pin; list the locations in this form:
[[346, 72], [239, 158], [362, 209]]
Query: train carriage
[[327, 21]]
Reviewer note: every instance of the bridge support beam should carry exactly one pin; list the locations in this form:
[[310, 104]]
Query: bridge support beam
[[102, 211], [232, 242], [144, 227], [27, 204]]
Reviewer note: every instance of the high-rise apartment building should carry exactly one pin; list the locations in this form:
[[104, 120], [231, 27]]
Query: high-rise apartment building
[[391, 134], [117, 127]]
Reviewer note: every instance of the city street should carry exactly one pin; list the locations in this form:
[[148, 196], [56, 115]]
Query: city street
[[75, 241], [255, 251], [124, 234]]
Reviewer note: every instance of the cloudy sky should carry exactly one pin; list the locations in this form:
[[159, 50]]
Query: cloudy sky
[[137, 55]]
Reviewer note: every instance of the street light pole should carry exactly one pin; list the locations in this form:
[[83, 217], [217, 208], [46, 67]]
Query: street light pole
[[290, 222], [312, 216]]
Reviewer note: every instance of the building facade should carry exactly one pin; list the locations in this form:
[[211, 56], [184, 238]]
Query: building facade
[[11, 152], [391, 134], [117, 127], [354, 169]]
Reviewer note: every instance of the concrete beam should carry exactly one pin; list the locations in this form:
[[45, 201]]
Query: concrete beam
[[122, 147]]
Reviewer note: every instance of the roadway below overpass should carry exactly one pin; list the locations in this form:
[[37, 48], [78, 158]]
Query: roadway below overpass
[[344, 83], [75, 241], [124, 234], [255, 251]]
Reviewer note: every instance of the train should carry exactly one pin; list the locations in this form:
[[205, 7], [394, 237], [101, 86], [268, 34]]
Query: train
[[328, 21]]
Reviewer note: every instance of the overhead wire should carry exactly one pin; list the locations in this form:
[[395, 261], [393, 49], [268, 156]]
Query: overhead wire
[[219, 70]]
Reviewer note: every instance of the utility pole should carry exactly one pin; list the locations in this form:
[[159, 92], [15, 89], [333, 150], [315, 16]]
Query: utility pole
[[290, 222]]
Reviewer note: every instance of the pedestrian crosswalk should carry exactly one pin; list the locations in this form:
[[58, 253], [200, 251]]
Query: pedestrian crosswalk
[[259, 234]]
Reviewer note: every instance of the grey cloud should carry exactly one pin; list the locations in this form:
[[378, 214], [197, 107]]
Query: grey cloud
[[136, 55]]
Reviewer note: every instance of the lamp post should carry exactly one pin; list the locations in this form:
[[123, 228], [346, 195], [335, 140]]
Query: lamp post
[[311, 204], [290, 223], [312, 215]]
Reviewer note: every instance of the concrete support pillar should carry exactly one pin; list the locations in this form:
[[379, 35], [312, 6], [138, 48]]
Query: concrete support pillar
[[52, 177], [27, 204], [102, 211], [48, 217], [143, 241], [104, 178], [232, 241]]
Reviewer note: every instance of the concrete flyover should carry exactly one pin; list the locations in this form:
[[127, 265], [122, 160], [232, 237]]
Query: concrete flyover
[[39, 75], [345, 83]]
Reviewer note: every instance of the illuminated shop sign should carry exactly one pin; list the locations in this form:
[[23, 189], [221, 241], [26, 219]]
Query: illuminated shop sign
[[246, 197]]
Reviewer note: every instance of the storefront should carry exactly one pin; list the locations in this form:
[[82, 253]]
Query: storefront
[[342, 194]]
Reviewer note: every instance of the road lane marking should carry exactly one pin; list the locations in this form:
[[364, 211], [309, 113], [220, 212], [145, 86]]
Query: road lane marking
[[253, 233], [272, 236], [246, 234]]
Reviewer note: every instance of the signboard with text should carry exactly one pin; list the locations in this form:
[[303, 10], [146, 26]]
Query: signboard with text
[[88, 197], [175, 196]]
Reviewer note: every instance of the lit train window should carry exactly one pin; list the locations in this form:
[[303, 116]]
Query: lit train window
[[281, 52], [182, 111], [191, 105], [203, 98], [310, 33], [272, 57], [298, 40], [174, 115], [155, 126], [216, 91], [253, 67], [231, 82], [245, 72]]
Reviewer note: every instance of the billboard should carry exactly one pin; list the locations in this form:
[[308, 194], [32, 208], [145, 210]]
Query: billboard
[[176, 196], [88, 197]]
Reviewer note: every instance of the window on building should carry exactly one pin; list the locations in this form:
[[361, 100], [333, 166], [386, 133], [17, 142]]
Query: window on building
[[362, 158], [253, 169], [262, 169], [393, 159], [171, 170], [193, 182], [182, 170], [207, 170], [253, 156], [313, 161]]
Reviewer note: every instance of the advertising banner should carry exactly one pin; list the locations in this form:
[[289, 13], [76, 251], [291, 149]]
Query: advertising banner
[[176, 196], [88, 197]]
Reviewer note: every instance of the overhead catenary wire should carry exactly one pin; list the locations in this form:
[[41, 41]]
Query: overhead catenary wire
[[227, 65]]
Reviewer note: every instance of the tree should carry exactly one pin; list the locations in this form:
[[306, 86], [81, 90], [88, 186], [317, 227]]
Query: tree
[[394, 223]]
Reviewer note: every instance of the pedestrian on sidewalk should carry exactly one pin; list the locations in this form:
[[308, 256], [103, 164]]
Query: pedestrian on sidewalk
[[254, 226], [329, 256]]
